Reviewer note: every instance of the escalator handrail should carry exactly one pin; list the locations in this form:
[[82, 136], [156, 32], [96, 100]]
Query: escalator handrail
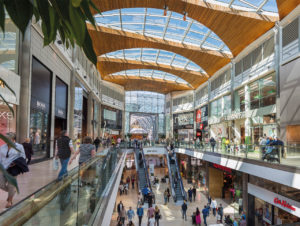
[[137, 168], [170, 178], [146, 172], [183, 192]]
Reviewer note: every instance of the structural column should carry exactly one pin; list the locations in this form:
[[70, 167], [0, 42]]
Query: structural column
[[71, 104], [248, 121], [52, 118], [90, 115], [23, 112]]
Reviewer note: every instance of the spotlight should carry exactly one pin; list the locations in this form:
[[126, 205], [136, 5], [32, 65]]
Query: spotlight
[[59, 42], [85, 76], [165, 10], [184, 16]]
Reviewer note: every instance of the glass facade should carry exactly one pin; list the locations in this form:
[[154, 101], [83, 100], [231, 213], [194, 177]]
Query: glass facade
[[263, 92], [239, 100], [9, 46], [78, 111], [216, 108], [145, 102]]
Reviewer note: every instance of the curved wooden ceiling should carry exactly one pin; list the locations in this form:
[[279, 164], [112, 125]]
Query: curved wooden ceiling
[[236, 28], [147, 84], [107, 40], [108, 66], [286, 6]]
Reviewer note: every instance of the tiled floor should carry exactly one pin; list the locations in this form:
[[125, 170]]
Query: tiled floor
[[39, 175], [171, 214]]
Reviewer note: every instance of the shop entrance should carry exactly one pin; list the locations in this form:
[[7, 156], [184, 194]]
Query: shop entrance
[[60, 125], [84, 117], [215, 183]]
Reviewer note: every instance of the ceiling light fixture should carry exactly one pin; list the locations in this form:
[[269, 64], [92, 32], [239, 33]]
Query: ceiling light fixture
[[165, 10]]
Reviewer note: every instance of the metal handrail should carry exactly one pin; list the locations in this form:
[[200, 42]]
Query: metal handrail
[[147, 174], [183, 192], [170, 178]]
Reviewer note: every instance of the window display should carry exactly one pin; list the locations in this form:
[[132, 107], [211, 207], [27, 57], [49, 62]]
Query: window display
[[7, 119]]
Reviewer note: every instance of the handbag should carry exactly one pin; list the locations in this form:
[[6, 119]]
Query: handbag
[[55, 164]]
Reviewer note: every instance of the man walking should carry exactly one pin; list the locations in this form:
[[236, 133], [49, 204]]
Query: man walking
[[130, 214], [97, 143], [194, 193], [184, 209], [205, 213], [140, 214], [220, 212], [212, 143], [190, 192], [214, 206], [63, 151], [119, 207]]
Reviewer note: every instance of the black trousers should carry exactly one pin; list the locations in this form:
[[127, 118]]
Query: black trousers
[[140, 220]]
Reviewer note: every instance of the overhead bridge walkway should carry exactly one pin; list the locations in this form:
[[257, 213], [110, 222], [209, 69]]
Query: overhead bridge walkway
[[85, 197]]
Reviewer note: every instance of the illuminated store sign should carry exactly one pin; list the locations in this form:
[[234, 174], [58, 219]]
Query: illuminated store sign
[[284, 204]]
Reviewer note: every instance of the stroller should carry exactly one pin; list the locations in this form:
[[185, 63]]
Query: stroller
[[271, 154]]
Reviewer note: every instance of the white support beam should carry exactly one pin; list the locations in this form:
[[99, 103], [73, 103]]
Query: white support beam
[[166, 26]]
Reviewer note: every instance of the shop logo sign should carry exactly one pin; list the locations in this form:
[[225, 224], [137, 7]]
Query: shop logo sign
[[284, 203], [40, 105], [6, 115]]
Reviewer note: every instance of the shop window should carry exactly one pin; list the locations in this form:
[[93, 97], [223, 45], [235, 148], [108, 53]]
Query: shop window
[[263, 92], [7, 119], [227, 105], [239, 100], [9, 46]]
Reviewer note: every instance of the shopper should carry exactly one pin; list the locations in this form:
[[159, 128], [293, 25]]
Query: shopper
[[184, 209], [243, 221], [28, 150], [166, 197], [214, 206], [220, 212], [198, 217], [157, 215], [119, 207], [132, 181], [63, 151], [150, 212], [205, 213], [87, 151], [14, 162], [122, 215], [97, 143], [151, 221], [212, 143], [190, 192], [150, 199], [194, 192], [168, 190], [140, 214], [130, 214]]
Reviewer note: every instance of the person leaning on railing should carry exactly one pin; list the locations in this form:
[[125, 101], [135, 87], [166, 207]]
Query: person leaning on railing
[[87, 151]]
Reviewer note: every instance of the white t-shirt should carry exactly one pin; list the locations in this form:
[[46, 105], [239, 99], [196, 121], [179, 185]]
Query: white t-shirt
[[151, 221]]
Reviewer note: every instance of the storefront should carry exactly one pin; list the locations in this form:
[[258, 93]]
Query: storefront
[[40, 110], [183, 125], [226, 183], [80, 111], [202, 131], [111, 122], [61, 106], [7, 119], [270, 203]]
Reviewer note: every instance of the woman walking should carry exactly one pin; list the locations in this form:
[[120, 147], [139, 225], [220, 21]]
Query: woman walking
[[157, 215], [87, 151], [198, 217]]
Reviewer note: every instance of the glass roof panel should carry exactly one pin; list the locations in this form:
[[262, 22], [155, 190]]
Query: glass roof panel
[[152, 22], [148, 73], [155, 55], [259, 6]]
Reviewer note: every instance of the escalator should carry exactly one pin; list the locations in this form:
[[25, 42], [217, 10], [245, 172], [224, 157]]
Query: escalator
[[142, 170], [176, 180], [79, 199]]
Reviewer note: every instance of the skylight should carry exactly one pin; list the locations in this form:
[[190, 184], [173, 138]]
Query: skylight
[[155, 56], [152, 22], [151, 74]]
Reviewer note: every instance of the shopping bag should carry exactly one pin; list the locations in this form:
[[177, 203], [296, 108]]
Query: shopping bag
[[55, 164]]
